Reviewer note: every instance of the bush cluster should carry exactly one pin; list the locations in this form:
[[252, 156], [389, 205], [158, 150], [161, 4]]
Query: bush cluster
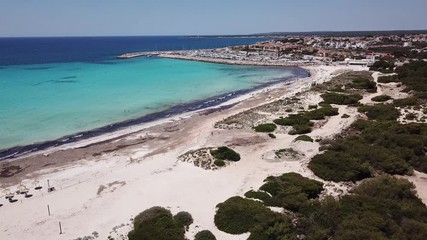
[[204, 235], [260, 195], [403, 102], [382, 208], [382, 66], [301, 122], [363, 83], [388, 79], [267, 127], [380, 112], [291, 190], [381, 98], [183, 218], [225, 153], [387, 147], [414, 76], [304, 138], [341, 99], [156, 223], [219, 163], [238, 215]]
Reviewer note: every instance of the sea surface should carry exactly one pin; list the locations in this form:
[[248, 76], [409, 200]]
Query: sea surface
[[59, 90]]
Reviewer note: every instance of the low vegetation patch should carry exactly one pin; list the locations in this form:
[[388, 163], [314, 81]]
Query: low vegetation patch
[[287, 152], [219, 163], [380, 112], [225, 153], [184, 219], [204, 235], [291, 190], [268, 127], [341, 99], [238, 215], [363, 83], [404, 102], [383, 146], [304, 138], [156, 223], [381, 98], [388, 79], [263, 196], [301, 122], [382, 208]]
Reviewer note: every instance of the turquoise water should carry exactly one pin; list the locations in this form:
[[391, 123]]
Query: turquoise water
[[47, 101]]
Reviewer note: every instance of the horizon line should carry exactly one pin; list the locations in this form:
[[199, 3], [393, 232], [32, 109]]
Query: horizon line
[[227, 35]]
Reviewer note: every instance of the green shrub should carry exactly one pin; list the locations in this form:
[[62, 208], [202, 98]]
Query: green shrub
[[363, 83], [156, 223], [312, 106], [263, 196], [413, 76], [388, 79], [225, 153], [292, 120], [340, 99], [403, 102], [271, 135], [304, 138], [382, 208], [183, 218], [238, 215], [204, 235], [381, 98], [380, 112], [339, 166], [411, 116], [345, 115], [288, 110], [328, 111], [325, 105], [219, 163], [291, 190], [268, 127], [300, 129]]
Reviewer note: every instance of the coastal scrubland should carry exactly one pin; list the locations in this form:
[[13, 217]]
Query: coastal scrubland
[[375, 149]]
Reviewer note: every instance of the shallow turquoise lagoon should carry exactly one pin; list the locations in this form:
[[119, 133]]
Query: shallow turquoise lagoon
[[48, 101]]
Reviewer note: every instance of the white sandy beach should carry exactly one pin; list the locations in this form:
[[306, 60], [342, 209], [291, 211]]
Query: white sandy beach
[[101, 193]]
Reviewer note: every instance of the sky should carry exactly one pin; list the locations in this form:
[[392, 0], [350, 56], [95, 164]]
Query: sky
[[20, 18]]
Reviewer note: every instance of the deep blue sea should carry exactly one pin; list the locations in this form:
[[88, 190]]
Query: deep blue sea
[[59, 90]]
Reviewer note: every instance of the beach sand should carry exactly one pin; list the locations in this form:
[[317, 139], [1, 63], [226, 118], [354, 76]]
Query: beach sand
[[101, 187]]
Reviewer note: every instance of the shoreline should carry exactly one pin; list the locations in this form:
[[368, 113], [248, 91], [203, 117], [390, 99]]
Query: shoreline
[[193, 107], [141, 170], [234, 62], [178, 55]]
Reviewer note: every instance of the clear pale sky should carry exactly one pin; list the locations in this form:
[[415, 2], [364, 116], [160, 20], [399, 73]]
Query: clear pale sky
[[203, 17]]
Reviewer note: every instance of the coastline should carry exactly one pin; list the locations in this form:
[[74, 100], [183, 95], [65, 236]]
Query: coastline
[[220, 101], [140, 170], [234, 62]]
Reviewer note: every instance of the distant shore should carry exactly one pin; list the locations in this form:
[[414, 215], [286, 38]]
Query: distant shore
[[180, 56], [232, 61]]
